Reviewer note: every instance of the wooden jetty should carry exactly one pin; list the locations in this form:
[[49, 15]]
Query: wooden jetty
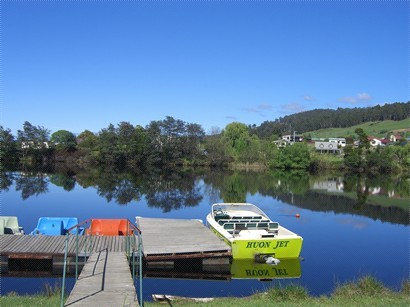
[[105, 280], [173, 239], [48, 251]]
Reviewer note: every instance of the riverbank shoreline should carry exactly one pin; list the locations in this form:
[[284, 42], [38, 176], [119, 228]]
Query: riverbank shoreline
[[366, 291]]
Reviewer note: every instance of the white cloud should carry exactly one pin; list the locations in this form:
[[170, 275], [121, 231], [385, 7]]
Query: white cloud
[[231, 117], [250, 110], [264, 106], [293, 107], [356, 99], [309, 98], [364, 96]]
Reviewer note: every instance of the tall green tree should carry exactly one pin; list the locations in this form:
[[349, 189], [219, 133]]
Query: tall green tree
[[64, 140], [87, 140], [192, 141], [108, 145], [236, 135], [295, 156], [8, 147], [33, 140]]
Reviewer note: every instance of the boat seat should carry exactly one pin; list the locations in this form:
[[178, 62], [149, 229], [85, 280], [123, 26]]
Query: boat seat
[[238, 217], [223, 221], [250, 225], [222, 216], [240, 226], [229, 226]]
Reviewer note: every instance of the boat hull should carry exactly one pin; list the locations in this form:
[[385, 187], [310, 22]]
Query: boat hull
[[277, 247], [281, 248]]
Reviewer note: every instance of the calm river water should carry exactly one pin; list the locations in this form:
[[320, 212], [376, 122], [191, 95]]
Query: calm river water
[[352, 226]]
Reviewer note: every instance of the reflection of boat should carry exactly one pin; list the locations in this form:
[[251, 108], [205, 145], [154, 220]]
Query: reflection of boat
[[248, 268], [10, 225], [56, 226], [251, 233], [109, 227]]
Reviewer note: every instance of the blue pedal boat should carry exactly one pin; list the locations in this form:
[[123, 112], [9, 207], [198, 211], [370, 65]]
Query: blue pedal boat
[[56, 226]]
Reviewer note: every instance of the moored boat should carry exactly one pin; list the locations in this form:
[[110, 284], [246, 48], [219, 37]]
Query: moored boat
[[10, 225], [56, 226], [251, 233], [109, 227]]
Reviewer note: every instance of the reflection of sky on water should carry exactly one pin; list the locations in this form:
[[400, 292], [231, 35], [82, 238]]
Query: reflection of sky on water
[[338, 247]]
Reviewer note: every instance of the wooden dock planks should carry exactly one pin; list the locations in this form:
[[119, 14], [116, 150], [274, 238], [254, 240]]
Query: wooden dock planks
[[163, 239], [55, 245], [178, 238], [105, 280]]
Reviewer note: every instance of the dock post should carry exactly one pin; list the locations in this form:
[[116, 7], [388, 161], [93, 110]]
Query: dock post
[[64, 271]]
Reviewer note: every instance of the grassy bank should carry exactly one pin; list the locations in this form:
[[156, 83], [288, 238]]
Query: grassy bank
[[377, 129], [366, 291]]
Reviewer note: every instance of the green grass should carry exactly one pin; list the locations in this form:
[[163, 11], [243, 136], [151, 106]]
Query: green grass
[[14, 300], [365, 291], [377, 129]]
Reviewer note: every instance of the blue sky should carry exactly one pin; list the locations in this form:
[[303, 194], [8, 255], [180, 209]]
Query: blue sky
[[85, 64]]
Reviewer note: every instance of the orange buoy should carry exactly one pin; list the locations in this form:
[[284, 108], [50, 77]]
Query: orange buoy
[[297, 215]]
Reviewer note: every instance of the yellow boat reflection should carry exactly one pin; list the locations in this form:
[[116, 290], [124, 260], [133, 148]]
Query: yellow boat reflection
[[248, 268]]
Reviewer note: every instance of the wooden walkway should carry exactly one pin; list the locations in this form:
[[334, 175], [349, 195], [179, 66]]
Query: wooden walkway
[[105, 280], [165, 239], [30, 246]]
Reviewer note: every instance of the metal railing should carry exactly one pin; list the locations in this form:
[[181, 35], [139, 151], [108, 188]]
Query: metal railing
[[132, 239]]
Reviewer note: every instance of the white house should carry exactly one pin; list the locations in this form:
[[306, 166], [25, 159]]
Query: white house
[[289, 138], [340, 141], [376, 142], [327, 147], [395, 137]]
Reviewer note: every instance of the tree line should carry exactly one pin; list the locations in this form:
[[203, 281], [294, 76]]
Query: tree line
[[172, 142], [178, 189]]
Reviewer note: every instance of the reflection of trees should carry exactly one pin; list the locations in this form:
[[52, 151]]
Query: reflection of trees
[[234, 186], [31, 184], [316, 201], [6, 180], [121, 187], [173, 191], [62, 180], [293, 188], [170, 190]]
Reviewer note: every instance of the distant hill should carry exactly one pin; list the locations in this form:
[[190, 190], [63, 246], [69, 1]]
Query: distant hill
[[377, 129], [320, 119]]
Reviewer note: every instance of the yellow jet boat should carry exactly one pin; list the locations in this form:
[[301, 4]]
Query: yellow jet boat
[[251, 233]]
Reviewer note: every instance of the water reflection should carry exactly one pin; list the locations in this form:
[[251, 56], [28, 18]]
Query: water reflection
[[248, 269], [381, 197], [224, 270]]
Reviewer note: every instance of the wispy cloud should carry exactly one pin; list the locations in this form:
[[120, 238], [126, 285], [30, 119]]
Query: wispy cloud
[[251, 110], [231, 117], [360, 97], [364, 96], [259, 109], [309, 98], [292, 107], [264, 106]]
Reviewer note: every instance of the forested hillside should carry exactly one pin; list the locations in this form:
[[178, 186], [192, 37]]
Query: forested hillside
[[328, 118]]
